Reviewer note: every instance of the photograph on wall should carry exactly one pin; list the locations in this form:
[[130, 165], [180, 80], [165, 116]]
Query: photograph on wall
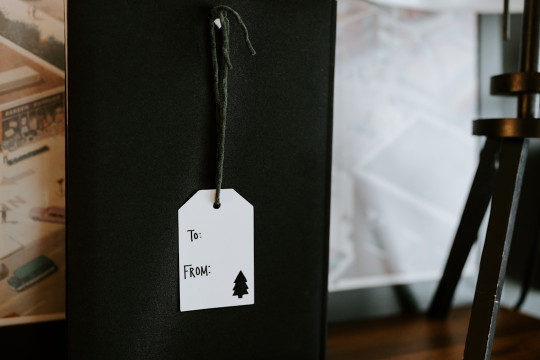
[[32, 164], [403, 154]]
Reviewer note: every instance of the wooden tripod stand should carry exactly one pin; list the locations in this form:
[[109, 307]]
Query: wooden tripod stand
[[499, 178]]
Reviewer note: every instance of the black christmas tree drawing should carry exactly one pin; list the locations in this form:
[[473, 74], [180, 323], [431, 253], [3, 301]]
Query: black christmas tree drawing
[[240, 286]]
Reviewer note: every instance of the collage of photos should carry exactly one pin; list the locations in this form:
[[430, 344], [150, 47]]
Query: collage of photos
[[32, 165]]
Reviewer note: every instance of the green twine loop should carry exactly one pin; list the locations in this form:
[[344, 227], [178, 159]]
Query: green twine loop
[[220, 82]]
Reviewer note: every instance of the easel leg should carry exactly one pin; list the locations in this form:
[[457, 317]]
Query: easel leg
[[529, 220], [497, 245], [467, 232], [534, 255]]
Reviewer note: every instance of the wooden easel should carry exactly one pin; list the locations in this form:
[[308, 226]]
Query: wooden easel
[[499, 178]]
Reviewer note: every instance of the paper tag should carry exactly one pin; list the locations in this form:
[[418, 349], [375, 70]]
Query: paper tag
[[216, 251]]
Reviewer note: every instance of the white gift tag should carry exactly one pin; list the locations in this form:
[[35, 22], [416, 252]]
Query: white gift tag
[[216, 251]]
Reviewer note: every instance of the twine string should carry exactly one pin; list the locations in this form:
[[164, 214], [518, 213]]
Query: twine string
[[220, 82]]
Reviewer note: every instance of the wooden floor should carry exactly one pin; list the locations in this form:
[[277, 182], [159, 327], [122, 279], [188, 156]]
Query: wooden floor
[[416, 338]]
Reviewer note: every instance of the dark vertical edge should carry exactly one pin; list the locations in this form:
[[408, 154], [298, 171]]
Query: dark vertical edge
[[529, 103], [329, 136], [506, 20], [530, 37], [67, 183], [531, 268], [479, 28]]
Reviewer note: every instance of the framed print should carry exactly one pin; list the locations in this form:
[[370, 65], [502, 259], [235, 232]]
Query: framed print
[[32, 175]]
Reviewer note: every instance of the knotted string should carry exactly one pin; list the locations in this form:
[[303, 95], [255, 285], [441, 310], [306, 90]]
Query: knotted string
[[220, 82]]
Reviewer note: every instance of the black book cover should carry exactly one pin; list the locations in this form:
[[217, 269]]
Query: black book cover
[[142, 140]]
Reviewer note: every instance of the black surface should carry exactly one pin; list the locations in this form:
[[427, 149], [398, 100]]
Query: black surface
[[45, 340], [141, 142]]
